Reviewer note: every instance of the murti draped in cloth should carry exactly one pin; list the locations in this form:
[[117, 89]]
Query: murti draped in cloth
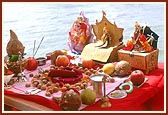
[[80, 34]]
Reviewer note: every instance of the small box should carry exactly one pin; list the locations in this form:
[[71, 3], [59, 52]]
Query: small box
[[143, 61]]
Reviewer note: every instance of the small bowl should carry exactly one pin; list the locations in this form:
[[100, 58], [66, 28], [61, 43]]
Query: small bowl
[[41, 61], [48, 55]]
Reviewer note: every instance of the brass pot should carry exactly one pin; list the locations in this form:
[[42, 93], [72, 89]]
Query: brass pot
[[17, 67]]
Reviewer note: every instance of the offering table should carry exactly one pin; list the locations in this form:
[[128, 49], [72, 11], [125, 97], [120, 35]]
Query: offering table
[[150, 96]]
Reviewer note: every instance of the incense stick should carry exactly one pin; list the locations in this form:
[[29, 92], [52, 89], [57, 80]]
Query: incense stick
[[34, 47], [38, 46]]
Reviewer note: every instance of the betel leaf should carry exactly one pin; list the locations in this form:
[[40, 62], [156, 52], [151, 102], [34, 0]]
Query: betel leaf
[[13, 58]]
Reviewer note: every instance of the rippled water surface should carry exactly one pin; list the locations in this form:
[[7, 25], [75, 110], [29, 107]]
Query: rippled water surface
[[32, 21]]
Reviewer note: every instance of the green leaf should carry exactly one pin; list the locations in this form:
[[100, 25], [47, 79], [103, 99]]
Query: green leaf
[[14, 58]]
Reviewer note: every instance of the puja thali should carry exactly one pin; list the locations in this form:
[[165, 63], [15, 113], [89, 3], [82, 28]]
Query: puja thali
[[117, 94]]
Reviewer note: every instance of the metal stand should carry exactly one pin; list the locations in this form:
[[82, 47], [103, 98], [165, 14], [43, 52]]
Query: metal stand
[[105, 101], [21, 77]]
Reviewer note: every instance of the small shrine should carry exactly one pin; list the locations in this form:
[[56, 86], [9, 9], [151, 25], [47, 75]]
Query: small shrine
[[108, 41]]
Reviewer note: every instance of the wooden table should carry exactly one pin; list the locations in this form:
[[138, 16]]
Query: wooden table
[[24, 105]]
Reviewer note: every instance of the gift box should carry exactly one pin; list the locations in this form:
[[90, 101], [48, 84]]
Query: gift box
[[140, 60]]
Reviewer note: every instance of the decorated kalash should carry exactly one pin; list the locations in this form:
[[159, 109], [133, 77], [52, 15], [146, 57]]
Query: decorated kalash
[[14, 60], [100, 73]]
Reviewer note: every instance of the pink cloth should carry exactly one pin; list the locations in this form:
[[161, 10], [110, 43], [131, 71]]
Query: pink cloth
[[141, 99], [18, 90]]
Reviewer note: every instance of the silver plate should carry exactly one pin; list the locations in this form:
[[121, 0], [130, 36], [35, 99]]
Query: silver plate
[[41, 61], [117, 94]]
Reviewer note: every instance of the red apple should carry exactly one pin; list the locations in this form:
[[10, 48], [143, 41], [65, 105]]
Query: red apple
[[137, 77], [88, 64], [32, 63], [62, 60]]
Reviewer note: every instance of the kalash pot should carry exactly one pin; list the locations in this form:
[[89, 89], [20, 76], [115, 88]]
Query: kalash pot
[[97, 83]]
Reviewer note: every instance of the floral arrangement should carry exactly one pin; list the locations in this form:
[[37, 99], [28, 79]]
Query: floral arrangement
[[143, 40]]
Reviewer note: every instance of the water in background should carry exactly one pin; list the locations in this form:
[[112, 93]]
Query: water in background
[[32, 21]]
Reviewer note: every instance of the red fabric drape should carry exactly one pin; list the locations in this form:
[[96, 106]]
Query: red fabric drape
[[150, 96]]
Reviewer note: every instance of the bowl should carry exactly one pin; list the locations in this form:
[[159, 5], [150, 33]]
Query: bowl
[[48, 55], [41, 61]]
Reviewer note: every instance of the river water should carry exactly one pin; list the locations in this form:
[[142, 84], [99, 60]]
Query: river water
[[32, 21]]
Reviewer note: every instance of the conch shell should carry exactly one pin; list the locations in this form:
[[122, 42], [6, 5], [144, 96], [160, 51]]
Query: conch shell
[[14, 46]]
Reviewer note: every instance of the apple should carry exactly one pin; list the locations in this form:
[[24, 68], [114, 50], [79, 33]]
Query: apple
[[88, 64], [62, 60], [137, 77], [32, 63]]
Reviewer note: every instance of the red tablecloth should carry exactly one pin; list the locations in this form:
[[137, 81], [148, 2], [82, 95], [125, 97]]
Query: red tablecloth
[[150, 96]]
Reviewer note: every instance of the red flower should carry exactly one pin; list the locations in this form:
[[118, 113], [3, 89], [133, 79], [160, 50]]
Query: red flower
[[127, 48], [142, 38]]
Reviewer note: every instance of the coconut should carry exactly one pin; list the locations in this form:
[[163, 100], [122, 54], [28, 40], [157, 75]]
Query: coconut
[[122, 68], [70, 100]]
